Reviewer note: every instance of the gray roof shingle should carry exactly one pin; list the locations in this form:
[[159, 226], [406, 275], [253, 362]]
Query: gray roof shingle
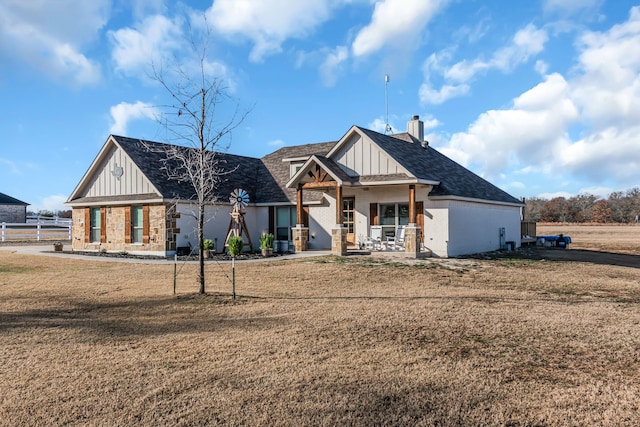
[[429, 164], [151, 158], [275, 189], [8, 200], [265, 179]]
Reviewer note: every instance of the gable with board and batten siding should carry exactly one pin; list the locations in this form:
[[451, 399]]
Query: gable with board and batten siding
[[358, 155]]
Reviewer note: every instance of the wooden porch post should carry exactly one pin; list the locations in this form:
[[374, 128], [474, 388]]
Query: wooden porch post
[[339, 233], [299, 209], [339, 204], [412, 204]]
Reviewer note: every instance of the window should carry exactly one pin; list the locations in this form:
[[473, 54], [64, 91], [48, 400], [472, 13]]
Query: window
[[285, 219], [294, 168], [94, 236], [392, 215], [137, 221], [348, 214]]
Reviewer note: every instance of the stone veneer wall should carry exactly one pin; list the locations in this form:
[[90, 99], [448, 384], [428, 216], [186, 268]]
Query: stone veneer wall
[[13, 213], [162, 231]]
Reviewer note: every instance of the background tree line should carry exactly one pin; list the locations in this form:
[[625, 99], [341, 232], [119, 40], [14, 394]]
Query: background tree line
[[619, 207]]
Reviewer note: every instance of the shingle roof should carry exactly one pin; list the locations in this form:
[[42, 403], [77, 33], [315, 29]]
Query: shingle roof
[[275, 189], [8, 200], [429, 164], [265, 179], [335, 169], [151, 158]]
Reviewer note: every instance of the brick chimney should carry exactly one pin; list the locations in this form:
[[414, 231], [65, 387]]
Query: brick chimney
[[415, 128]]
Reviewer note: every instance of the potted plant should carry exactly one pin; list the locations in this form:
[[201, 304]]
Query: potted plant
[[207, 247], [266, 244], [57, 246]]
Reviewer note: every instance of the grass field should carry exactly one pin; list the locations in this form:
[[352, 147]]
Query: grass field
[[519, 340]]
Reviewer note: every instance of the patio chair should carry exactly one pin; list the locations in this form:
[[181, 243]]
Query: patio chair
[[396, 242], [374, 241]]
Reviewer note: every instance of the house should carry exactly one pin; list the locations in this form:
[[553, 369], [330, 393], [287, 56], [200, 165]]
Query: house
[[315, 196], [12, 210]]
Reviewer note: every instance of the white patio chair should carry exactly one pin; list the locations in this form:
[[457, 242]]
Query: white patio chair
[[374, 241], [396, 243]]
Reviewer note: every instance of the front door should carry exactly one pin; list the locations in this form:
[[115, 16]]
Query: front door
[[349, 219]]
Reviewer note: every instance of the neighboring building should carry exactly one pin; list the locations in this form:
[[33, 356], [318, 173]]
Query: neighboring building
[[315, 196], [12, 210]]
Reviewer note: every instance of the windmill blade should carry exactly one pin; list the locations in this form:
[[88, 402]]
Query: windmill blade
[[239, 198]]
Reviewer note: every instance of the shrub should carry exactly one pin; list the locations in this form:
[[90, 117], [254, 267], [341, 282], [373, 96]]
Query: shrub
[[235, 245]]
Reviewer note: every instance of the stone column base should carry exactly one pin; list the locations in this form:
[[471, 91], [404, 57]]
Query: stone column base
[[412, 234], [339, 241], [300, 236]]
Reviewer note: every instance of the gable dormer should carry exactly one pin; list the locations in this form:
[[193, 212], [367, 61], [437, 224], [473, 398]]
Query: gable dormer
[[295, 163]]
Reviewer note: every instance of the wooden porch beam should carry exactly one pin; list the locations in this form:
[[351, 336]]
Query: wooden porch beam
[[319, 185]]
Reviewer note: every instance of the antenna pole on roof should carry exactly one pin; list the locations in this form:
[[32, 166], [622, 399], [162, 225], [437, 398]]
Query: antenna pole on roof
[[387, 128]]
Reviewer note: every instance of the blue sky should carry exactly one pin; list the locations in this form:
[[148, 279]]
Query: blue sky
[[542, 98]]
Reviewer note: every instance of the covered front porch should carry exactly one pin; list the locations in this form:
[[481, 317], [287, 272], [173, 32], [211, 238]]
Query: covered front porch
[[373, 215]]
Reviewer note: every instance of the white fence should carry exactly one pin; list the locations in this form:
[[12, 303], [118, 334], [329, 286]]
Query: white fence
[[55, 229]]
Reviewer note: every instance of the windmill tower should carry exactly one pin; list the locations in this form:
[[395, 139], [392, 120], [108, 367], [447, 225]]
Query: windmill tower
[[239, 199]]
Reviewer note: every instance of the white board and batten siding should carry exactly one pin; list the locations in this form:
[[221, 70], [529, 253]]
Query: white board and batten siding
[[361, 157], [106, 183]]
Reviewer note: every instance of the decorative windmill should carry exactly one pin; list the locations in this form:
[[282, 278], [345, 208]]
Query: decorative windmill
[[239, 199]]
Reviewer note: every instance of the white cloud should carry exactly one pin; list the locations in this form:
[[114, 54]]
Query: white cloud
[[611, 153], [10, 166], [153, 40], [598, 191], [395, 22], [49, 36], [142, 8], [608, 86], [276, 143], [124, 112], [569, 7], [380, 125], [600, 101], [431, 123], [541, 67], [268, 24], [332, 64], [517, 185], [429, 95], [531, 132], [53, 203], [550, 196], [525, 44]]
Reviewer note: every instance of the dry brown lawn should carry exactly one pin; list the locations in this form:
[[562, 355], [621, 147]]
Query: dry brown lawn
[[325, 341]]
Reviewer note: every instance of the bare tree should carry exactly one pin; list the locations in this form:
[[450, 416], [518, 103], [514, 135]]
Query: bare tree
[[193, 119]]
